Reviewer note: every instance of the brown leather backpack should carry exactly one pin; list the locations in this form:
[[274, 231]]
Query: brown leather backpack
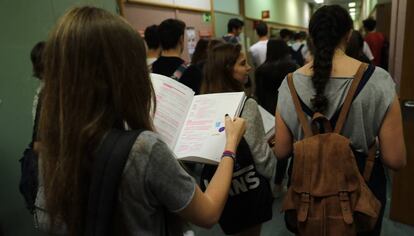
[[328, 195]]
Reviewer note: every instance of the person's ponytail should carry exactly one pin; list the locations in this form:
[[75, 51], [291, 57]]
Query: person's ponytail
[[327, 28]]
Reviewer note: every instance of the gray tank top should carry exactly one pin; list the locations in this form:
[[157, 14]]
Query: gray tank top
[[366, 113]]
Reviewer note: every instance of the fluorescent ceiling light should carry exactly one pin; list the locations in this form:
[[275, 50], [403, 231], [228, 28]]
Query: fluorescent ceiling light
[[352, 4], [319, 1], [351, 9]]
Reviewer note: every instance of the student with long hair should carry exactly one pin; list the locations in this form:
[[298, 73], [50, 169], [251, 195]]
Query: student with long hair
[[200, 51], [227, 70], [194, 73], [96, 79], [271, 73], [322, 86], [268, 77]]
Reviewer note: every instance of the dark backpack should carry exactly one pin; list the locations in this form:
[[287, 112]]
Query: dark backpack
[[28, 180], [297, 55], [328, 195], [250, 198], [29, 184], [106, 176]]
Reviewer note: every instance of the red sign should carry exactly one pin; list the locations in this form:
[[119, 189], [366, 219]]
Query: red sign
[[266, 14], [205, 34]]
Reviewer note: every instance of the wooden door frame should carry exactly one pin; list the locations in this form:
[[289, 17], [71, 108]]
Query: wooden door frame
[[401, 56]]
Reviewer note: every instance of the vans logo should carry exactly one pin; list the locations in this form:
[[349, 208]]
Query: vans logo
[[243, 180]]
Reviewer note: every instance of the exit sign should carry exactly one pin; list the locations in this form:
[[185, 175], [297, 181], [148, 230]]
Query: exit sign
[[206, 17]]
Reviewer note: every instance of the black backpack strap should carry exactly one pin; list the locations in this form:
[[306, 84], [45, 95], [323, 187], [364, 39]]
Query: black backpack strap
[[106, 174], [29, 183], [300, 48]]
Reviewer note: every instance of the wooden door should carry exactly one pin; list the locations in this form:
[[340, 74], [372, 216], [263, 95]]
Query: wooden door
[[402, 204]]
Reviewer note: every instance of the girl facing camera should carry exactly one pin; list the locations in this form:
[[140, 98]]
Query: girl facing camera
[[227, 70]]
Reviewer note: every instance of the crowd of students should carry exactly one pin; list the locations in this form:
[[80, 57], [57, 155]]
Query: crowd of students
[[96, 72]]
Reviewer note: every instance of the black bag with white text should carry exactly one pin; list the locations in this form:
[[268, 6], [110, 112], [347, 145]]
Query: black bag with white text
[[250, 198]]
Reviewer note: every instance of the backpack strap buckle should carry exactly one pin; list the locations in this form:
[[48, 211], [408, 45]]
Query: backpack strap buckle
[[304, 207], [346, 207]]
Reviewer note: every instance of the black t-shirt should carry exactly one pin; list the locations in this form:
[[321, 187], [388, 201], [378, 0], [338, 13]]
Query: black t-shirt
[[269, 76], [166, 65], [193, 76]]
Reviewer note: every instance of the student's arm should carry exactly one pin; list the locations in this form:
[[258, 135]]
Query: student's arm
[[367, 51], [205, 208], [255, 137], [283, 139], [391, 138]]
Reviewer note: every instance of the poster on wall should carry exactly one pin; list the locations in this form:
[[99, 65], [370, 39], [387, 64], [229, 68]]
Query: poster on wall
[[191, 40]]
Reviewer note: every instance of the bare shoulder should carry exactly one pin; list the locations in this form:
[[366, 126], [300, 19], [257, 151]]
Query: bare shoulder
[[342, 67], [306, 69], [345, 67]]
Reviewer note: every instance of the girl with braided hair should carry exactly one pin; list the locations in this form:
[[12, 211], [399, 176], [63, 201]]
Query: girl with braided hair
[[322, 86]]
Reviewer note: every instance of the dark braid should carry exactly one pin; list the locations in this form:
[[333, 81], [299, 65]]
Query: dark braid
[[327, 27]]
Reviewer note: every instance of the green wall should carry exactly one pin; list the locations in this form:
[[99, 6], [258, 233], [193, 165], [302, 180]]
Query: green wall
[[221, 22], [228, 6], [292, 12], [224, 11], [23, 23]]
